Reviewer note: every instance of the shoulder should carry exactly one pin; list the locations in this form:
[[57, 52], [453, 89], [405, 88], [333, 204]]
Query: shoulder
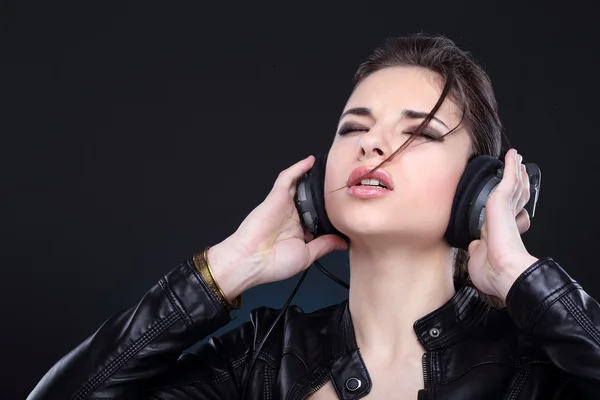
[[296, 333], [499, 338], [294, 328], [294, 337], [289, 329], [293, 317]]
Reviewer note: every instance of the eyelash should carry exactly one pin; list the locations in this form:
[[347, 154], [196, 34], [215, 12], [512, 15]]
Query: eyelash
[[344, 130]]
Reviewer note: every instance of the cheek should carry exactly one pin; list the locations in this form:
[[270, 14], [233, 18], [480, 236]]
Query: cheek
[[334, 179], [435, 195], [335, 171], [440, 170]]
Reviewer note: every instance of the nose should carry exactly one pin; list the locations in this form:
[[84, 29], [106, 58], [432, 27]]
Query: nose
[[370, 145]]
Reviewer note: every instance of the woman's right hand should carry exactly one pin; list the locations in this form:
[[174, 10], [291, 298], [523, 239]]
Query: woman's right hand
[[270, 244]]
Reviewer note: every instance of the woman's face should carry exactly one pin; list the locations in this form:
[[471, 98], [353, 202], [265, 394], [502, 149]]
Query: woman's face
[[380, 113]]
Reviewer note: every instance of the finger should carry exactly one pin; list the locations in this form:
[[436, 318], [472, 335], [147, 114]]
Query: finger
[[508, 184], [288, 177], [518, 172], [473, 246], [323, 245], [477, 246], [525, 194], [523, 221]]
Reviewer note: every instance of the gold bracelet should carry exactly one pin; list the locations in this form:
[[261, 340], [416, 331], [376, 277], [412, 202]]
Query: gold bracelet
[[203, 267]]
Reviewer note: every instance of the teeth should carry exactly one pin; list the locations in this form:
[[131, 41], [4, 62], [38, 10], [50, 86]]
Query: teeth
[[371, 182]]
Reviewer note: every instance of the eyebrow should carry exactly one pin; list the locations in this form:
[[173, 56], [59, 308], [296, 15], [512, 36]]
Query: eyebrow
[[364, 111]]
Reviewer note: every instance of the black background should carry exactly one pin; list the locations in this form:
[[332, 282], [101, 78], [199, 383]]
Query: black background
[[135, 134]]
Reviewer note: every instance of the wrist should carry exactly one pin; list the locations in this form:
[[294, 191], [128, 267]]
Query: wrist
[[229, 270], [511, 271]]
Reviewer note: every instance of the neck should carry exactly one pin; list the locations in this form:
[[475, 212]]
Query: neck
[[391, 287]]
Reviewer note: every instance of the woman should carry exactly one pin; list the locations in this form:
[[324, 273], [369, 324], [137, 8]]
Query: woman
[[414, 326]]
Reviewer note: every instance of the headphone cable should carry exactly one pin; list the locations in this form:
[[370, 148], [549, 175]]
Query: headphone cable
[[287, 303]]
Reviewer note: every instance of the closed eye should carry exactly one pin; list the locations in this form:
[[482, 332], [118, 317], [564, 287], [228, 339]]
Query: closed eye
[[349, 128], [429, 135]]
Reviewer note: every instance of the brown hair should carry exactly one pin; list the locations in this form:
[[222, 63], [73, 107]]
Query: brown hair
[[467, 84]]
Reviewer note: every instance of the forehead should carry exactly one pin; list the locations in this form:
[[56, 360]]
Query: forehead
[[395, 88]]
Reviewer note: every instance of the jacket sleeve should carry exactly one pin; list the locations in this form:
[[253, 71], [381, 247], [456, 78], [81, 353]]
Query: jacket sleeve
[[563, 319], [138, 348]]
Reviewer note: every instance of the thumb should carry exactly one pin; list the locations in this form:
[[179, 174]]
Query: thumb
[[473, 246], [322, 245]]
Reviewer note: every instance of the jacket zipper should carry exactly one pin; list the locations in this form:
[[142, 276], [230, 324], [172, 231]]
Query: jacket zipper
[[323, 379], [425, 376]]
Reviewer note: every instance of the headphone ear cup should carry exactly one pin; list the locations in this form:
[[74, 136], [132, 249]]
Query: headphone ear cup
[[312, 211], [468, 208]]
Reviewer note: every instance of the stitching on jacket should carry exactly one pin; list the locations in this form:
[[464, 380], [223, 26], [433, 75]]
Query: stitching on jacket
[[155, 330], [222, 352], [532, 268], [266, 392], [213, 380], [520, 383], [441, 371], [468, 330], [240, 360], [581, 317], [293, 353], [290, 349], [496, 360], [268, 382], [164, 284], [461, 305], [268, 358], [554, 296], [437, 367]]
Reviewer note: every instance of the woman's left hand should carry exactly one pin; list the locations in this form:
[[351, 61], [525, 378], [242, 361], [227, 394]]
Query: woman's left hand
[[499, 256]]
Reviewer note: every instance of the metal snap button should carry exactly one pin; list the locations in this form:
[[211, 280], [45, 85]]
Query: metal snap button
[[434, 332], [353, 384]]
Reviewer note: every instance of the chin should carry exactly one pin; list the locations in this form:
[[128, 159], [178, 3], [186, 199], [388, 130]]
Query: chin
[[382, 225], [363, 223]]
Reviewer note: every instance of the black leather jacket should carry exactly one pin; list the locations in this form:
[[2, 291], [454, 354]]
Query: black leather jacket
[[544, 345]]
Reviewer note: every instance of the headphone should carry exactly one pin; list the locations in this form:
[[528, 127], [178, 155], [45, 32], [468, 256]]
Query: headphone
[[481, 176]]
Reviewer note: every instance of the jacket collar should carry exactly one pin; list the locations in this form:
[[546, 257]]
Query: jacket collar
[[441, 328]]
